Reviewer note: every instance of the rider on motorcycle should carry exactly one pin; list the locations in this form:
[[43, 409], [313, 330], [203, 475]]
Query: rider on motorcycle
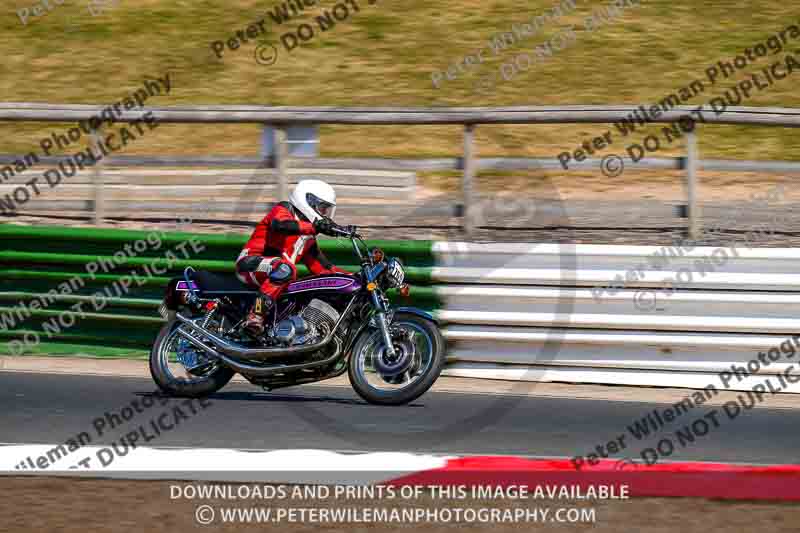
[[284, 237]]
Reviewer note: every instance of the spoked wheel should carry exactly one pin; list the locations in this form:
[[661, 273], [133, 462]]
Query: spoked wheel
[[418, 360], [180, 369]]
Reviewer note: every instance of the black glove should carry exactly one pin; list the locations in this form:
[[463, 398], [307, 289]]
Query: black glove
[[349, 229], [325, 226]]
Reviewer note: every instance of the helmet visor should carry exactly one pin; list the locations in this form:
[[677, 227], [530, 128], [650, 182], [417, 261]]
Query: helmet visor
[[323, 208]]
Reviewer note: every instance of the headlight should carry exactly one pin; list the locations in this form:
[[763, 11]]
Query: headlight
[[394, 273]]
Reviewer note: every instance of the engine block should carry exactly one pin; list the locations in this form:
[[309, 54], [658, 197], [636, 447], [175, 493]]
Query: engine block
[[314, 322]]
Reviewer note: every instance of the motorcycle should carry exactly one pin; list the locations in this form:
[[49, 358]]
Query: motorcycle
[[321, 327]]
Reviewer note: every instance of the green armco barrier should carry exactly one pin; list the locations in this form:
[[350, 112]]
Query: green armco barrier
[[46, 265], [78, 348], [101, 241]]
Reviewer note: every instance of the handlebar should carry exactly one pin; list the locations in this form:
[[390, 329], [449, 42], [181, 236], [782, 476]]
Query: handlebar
[[351, 233], [341, 231]]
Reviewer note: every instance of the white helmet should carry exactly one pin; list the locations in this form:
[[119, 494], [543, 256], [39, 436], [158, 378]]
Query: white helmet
[[314, 198]]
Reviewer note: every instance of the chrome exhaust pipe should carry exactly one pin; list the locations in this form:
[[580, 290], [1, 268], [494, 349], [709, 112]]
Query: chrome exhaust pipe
[[255, 371], [234, 350]]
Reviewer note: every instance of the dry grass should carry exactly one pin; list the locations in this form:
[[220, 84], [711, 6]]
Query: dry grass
[[384, 55]]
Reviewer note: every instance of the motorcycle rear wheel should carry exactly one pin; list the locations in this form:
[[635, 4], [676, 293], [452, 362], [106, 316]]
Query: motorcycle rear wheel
[[188, 386]]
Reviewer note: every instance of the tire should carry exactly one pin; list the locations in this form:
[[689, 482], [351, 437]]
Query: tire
[[201, 387], [409, 393]]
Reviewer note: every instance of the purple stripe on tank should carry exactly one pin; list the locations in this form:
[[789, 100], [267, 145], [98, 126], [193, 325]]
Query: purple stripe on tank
[[327, 282]]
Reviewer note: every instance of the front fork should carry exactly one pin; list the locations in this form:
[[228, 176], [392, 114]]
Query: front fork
[[383, 325]]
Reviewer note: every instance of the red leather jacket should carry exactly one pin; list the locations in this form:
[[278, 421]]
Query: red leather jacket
[[284, 234]]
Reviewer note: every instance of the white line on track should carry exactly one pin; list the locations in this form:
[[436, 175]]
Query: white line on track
[[437, 454], [217, 464]]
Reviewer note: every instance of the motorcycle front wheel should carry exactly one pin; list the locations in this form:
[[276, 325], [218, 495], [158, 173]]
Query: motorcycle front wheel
[[420, 353]]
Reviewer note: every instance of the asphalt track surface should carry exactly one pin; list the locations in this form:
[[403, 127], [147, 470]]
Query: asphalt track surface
[[51, 408]]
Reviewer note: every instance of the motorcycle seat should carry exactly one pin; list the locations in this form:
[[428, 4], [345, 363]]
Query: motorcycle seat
[[210, 283]]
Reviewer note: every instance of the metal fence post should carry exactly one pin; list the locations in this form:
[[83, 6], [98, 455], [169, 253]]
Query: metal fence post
[[468, 178], [281, 163], [98, 192], [695, 228]]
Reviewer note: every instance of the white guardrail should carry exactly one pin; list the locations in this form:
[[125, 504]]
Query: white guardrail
[[533, 312]]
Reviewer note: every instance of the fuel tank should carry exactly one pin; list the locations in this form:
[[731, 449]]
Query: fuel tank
[[337, 283]]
